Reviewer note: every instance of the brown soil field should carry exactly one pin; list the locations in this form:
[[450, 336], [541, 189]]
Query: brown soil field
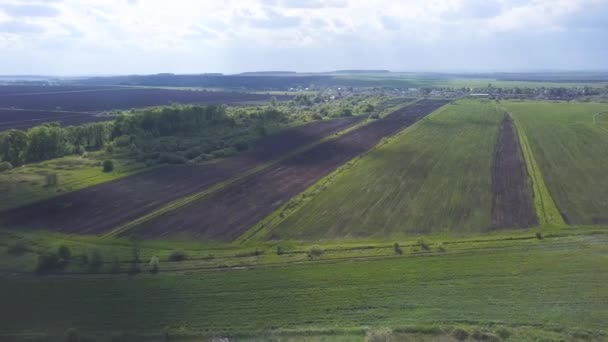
[[103, 207], [24, 119], [512, 203], [228, 213]]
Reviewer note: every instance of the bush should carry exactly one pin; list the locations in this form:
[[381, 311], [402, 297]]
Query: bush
[[5, 166], [423, 244], [257, 252], [280, 250], [48, 262], [316, 251], [539, 235], [397, 248], [460, 334], [153, 264], [379, 335], [108, 165], [441, 248], [375, 116], [95, 262], [241, 146], [72, 335], [51, 179], [80, 150], [178, 256], [64, 253]]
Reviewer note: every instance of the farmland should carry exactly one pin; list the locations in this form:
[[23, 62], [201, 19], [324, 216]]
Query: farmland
[[570, 149], [23, 108], [508, 286], [435, 177], [97, 209], [226, 214]]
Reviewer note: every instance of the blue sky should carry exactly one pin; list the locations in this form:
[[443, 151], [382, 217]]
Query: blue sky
[[72, 37]]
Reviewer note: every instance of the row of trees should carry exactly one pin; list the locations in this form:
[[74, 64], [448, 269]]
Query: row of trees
[[51, 141]]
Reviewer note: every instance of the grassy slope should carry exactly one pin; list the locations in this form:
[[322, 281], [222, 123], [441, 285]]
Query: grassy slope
[[517, 283], [571, 153], [436, 176]]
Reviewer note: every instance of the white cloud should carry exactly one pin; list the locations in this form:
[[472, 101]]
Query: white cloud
[[229, 35]]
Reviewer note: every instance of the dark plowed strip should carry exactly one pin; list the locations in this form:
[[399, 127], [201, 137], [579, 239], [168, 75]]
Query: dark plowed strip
[[101, 208], [226, 214], [512, 204]]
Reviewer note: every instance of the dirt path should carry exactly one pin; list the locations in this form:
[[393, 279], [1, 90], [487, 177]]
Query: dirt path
[[100, 208], [512, 204], [228, 213]]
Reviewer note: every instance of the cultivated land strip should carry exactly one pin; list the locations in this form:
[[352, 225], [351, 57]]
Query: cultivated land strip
[[226, 214], [100, 208], [512, 204], [546, 210]]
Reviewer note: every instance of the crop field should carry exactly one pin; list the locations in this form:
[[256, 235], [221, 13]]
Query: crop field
[[509, 287], [99, 208], [435, 177], [23, 108], [570, 147], [226, 214]]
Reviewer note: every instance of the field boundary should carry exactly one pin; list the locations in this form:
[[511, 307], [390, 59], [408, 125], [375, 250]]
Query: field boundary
[[546, 209], [266, 225], [182, 202]]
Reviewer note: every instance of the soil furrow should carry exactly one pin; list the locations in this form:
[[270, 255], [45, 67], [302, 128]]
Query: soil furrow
[[512, 204]]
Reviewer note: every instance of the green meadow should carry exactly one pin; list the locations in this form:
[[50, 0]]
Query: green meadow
[[570, 147]]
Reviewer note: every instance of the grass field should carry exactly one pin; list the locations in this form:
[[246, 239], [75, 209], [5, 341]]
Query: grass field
[[570, 149], [436, 176], [494, 283], [28, 184]]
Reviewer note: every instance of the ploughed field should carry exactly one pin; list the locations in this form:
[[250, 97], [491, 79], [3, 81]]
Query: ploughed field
[[570, 147], [100, 208], [437, 176], [229, 212], [30, 106]]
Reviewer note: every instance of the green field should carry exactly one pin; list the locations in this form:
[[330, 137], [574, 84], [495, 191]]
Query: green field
[[434, 177], [570, 148], [28, 183], [504, 282]]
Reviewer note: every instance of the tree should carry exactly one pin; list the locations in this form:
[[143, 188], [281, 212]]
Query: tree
[[64, 252], [13, 145]]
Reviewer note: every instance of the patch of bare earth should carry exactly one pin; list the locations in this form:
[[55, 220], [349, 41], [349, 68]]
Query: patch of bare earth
[[512, 203]]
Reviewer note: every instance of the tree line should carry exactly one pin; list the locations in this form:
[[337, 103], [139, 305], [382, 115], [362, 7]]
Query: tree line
[[51, 140]]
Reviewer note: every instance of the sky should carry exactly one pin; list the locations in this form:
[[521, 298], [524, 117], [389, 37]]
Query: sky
[[110, 37]]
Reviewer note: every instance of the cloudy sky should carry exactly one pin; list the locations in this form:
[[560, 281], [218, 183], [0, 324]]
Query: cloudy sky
[[71, 37]]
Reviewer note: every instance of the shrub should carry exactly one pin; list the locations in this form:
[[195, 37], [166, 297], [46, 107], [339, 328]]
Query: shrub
[[72, 335], [423, 244], [460, 334], [178, 256], [317, 116], [441, 248], [154, 264], [5, 166], [397, 248], [379, 335], [80, 150], [316, 251], [257, 252], [375, 116], [95, 262], [108, 165], [51, 179], [504, 333], [280, 250], [241, 146], [48, 262], [17, 248], [64, 253], [539, 235]]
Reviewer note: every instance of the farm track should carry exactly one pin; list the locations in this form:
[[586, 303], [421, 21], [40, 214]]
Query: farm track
[[226, 214], [100, 208], [512, 203]]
